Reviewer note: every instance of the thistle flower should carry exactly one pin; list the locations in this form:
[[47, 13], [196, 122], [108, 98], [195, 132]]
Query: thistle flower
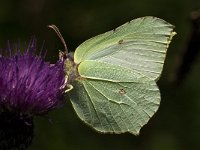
[[29, 86]]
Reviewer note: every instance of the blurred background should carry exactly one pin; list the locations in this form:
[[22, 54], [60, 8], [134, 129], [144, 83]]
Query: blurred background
[[176, 125]]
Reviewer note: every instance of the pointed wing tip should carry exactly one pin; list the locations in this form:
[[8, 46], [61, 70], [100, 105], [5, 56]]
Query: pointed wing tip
[[173, 33]]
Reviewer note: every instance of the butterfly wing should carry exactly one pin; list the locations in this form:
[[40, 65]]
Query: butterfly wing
[[140, 45], [113, 99], [116, 90]]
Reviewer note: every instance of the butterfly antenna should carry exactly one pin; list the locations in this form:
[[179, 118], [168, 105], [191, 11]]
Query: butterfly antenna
[[60, 36]]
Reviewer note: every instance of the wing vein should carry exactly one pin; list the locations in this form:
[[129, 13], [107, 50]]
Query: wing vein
[[93, 104]]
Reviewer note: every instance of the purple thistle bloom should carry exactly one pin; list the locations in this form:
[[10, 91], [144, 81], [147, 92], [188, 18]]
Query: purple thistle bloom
[[29, 85]]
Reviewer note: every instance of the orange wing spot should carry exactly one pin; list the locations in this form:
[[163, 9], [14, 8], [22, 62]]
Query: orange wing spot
[[122, 92], [120, 41], [80, 78]]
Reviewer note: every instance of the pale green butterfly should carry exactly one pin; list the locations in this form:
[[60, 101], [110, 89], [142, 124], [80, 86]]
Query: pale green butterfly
[[113, 75]]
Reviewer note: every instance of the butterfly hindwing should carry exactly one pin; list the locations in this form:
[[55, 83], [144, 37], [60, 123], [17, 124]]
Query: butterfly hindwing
[[114, 99]]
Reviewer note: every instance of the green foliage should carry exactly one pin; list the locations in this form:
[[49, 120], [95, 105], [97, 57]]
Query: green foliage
[[115, 90]]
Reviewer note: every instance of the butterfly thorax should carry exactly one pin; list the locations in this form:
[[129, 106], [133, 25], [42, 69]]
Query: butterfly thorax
[[70, 67]]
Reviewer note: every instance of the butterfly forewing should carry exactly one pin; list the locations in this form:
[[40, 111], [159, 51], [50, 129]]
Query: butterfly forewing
[[140, 45]]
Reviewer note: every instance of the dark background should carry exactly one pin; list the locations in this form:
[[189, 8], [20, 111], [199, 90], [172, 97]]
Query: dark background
[[176, 126]]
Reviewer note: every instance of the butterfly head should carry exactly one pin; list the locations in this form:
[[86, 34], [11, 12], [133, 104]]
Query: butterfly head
[[70, 67]]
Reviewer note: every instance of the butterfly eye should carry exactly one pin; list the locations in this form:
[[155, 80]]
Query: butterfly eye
[[70, 56]]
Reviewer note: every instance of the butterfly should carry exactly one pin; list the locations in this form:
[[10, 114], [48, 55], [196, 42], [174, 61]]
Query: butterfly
[[112, 77]]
